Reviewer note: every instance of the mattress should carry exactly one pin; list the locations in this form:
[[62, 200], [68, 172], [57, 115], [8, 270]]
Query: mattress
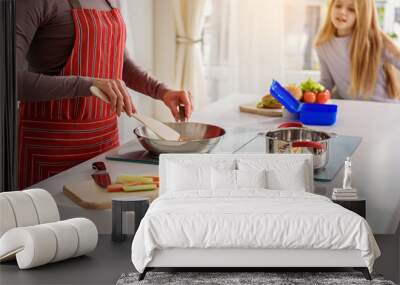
[[250, 219]]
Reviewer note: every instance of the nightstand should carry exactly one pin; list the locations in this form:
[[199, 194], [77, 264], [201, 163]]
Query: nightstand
[[357, 206], [139, 205]]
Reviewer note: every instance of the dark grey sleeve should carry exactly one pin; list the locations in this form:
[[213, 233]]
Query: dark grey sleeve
[[30, 15]]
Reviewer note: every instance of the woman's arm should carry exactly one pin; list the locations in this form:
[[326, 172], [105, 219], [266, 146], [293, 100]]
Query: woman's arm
[[30, 15], [39, 87], [140, 81]]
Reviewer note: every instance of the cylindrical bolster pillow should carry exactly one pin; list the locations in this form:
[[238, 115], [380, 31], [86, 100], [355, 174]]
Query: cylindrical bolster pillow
[[23, 208], [87, 235], [67, 240], [7, 218], [46, 207], [26, 208], [34, 245], [41, 244]]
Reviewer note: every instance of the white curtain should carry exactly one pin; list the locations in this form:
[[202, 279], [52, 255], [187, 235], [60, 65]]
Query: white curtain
[[246, 47], [189, 20]]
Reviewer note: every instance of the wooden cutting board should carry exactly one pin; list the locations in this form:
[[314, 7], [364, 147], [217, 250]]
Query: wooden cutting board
[[252, 109], [90, 196]]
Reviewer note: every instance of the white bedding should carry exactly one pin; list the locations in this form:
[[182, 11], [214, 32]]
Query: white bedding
[[250, 219]]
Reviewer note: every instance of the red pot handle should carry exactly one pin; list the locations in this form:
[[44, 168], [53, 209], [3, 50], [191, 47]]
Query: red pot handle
[[315, 145], [291, 125]]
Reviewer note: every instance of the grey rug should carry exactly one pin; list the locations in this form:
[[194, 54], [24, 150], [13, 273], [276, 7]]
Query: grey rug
[[244, 278]]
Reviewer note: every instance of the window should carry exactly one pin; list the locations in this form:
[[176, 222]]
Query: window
[[395, 34], [389, 15], [243, 48]]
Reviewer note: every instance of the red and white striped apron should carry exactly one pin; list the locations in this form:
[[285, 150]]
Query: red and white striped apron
[[56, 135]]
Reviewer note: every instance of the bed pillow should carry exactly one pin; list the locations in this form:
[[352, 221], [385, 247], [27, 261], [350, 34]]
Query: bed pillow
[[228, 179], [293, 180], [223, 179], [281, 174], [251, 178], [183, 177]]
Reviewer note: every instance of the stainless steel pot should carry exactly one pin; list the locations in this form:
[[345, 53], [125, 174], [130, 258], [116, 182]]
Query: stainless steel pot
[[198, 138], [295, 138]]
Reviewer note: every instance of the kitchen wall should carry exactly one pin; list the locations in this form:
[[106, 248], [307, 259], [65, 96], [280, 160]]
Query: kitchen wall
[[139, 21], [164, 51], [139, 18]]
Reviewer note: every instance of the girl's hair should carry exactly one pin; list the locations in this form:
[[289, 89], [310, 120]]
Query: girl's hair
[[367, 45]]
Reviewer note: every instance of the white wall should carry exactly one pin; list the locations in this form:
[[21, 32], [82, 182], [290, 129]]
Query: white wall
[[139, 21], [164, 51], [139, 18]]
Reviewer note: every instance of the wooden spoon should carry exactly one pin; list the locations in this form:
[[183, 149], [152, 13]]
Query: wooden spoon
[[160, 129]]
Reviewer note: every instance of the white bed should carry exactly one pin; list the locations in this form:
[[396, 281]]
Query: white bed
[[218, 224]]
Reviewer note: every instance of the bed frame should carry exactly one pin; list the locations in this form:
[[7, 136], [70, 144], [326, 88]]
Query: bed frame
[[256, 259], [241, 259]]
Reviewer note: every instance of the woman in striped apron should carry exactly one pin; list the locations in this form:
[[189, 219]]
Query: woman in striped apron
[[69, 48]]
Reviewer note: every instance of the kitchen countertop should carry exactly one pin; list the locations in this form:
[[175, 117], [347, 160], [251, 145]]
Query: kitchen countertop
[[375, 163]]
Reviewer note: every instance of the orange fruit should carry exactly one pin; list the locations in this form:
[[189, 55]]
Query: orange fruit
[[323, 97], [309, 97]]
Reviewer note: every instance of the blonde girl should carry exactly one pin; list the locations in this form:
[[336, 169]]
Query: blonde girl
[[356, 56]]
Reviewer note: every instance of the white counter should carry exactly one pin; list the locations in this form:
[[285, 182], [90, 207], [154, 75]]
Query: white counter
[[376, 162]]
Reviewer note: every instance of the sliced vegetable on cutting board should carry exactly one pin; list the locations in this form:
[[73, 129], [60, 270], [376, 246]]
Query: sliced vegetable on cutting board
[[143, 187], [125, 178], [155, 178], [129, 183], [115, 188], [89, 195]]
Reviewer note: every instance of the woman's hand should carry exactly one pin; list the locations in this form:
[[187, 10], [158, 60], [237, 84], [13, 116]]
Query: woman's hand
[[174, 98], [118, 95]]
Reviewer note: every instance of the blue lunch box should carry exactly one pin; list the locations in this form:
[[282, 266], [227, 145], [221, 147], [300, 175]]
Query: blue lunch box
[[309, 114]]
